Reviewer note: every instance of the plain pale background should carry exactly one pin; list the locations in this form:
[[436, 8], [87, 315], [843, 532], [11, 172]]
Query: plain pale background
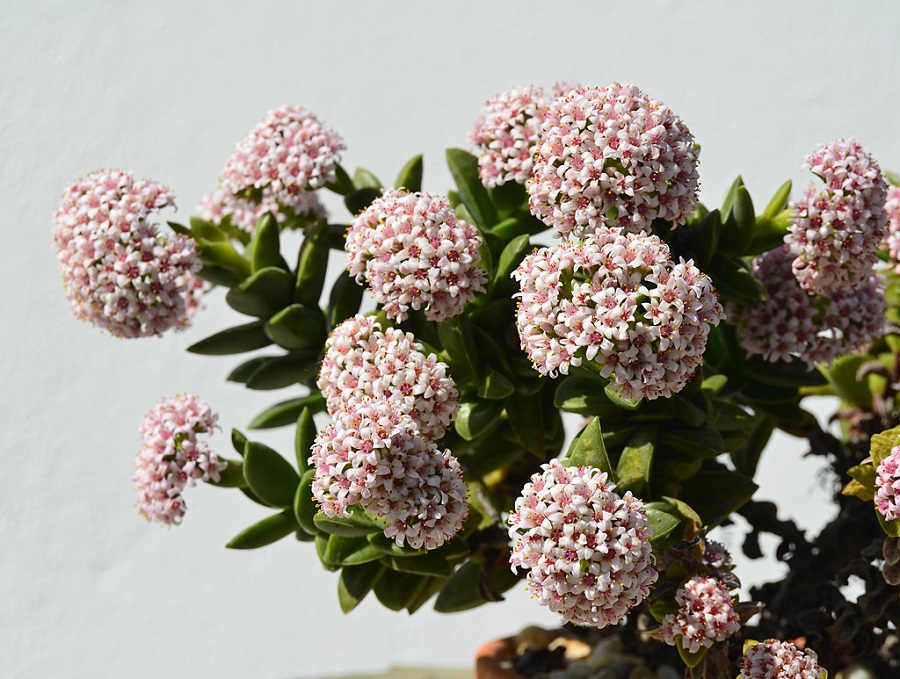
[[166, 89]]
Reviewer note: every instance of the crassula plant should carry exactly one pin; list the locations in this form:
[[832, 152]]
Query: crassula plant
[[571, 269]]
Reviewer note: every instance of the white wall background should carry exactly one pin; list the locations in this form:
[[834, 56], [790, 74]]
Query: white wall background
[[166, 89]]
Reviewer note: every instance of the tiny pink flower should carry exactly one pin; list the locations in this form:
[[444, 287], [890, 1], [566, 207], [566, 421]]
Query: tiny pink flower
[[244, 212], [173, 458], [616, 299], [361, 361], [774, 659], [706, 615], [586, 549], [837, 227], [887, 482], [612, 157], [415, 254], [120, 272]]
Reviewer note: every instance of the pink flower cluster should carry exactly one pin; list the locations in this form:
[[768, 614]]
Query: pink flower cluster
[[616, 299], [774, 659], [715, 554], [119, 271], [215, 206], [362, 361], [887, 481], [173, 458], [373, 456], [504, 136], [611, 156], [706, 615], [288, 152], [790, 323], [836, 229], [892, 237], [415, 253], [587, 550]]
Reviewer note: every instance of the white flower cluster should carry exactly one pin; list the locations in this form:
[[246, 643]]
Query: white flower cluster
[[892, 237], [586, 549], [836, 229], [887, 482], [611, 156], [706, 615], [119, 271], [616, 299], [774, 659], [790, 323], [362, 361], [372, 455], [414, 253], [172, 457]]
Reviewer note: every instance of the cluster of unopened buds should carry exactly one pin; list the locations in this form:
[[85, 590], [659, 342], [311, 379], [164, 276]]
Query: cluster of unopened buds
[[887, 483]]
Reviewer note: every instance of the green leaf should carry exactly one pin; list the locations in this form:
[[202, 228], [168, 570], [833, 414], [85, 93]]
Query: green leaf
[[242, 372], [730, 197], [892, 177], [495, 387], [526, 419], [636, 461], [660, 516], [359, 200], [203, 230], [891, 528], [688, 658], [738, 232], [239, 441], [220, 276], [265, 532], [345, 299], [715, 494], [433, 586], [704, 237], [696, 442], [459, 344], [264, 293], [733, 281], [463, 590], [882, 444], [864, 473], [464, 168], [855, 489], [358, 524], [686, 512], [410, 177], [305, 507], [265, 245], [588, 450], [584, 396], [769, 233], [181, 229], [714, 384], [519, 225], [620, 401], [746, 458], [349, 551], [430, 563], [396, 590], [297, 327], [356, 582], [304, 438], [364, 179], [223, 256], [476, 418], [779, 201], [343, 184], [841, 375], [312, 265], [269, 475], [234, 340], [286, 412], [232, 476], [511, 257], [285, 371], [509, 197]]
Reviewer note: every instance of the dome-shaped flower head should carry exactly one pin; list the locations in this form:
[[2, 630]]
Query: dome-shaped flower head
[[215, 206], [705, 615], [505, 136], [288, 152], [361, 361], [415, 253], [616, 299], [372, 456], [892, 235], [774, 659], [173, 457], [611, 156], [887, 481], [586, 549], [837, 227], [120, 272], [790, 323]]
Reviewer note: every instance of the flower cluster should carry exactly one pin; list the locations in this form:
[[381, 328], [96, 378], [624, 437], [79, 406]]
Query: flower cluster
[[790, 323], [587, 550], [706, 615], [715, 554], [505, 136], [774, 659], [836, 229], [362, 361], [215, 206], [172, 457], [415, 253], [288, 152], [887, 481], [616, 299], [611, 156], [120, 273], [372, 455], [892, 237]]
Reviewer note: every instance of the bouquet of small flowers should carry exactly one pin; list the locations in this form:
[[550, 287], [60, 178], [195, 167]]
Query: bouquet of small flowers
[[572, 269]]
